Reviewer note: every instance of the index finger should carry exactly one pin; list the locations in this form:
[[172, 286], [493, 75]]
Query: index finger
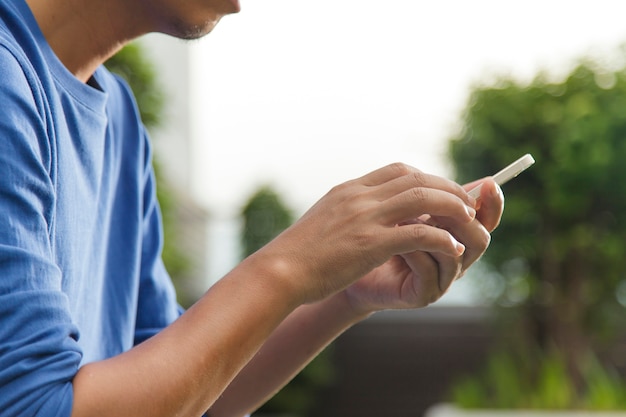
[[397, 178]]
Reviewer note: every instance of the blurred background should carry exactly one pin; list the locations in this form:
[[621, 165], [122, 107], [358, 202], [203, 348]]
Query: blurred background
[[255, 122]]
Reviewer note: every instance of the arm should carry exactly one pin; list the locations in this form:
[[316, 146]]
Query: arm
[[312, 327], [184, 369], [305, 333]]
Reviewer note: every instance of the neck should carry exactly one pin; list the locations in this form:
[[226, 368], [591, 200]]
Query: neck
[[84, 34]]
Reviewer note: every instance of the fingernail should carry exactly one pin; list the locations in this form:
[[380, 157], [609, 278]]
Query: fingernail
[[472, 201], [497, 191], [460, 248], [470, 212]]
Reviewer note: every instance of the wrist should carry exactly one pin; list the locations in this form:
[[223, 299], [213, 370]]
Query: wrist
[[276, 274], [356, 311]]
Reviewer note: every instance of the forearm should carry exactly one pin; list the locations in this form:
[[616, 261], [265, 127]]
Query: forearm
[[352, 230], [184, 369], [306, 332]]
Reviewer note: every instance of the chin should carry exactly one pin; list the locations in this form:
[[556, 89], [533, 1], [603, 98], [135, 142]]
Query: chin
[[194, 19], [236, 6], [190, 31], [198, 31]]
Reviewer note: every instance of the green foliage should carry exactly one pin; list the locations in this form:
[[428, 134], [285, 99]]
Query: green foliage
[[175, 260], [132, 64], [510, 382], [301, 394], [265, 216], [573, 195], [559, 251]]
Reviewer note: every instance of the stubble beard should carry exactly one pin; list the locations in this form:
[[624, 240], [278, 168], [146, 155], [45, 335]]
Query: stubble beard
[[186, 31]]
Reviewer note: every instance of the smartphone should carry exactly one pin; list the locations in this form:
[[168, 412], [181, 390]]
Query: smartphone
[[507, 173]]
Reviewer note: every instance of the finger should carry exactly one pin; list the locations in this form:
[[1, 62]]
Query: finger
[[425, 286], [476, 239], [387, 173], [450, 268], [434, 274], [473, 235], [416, 202], [421, 237], [491, 205], [399, 177], [419, 179], [471, 185]]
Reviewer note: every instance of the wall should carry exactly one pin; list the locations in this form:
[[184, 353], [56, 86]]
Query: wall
[[397, 364]]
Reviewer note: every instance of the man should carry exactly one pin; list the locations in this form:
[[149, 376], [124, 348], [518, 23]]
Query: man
[[89, 325]]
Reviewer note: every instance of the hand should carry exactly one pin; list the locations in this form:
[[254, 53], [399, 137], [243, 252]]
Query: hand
[[419, 278], [361, 224]]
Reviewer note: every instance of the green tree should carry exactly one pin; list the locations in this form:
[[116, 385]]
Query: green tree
[[265, 215], [132, 64], [559, 253]]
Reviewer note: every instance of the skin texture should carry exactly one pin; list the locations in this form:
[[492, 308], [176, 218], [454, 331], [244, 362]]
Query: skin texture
[[394, 238]]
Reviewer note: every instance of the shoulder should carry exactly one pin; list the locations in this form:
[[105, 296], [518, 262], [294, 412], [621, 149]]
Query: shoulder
[[24, 72], [25, 125], [25, 109], [21, 60], [18, 74]]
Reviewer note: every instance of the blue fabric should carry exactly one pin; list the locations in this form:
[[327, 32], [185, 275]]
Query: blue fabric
[[81, 277]]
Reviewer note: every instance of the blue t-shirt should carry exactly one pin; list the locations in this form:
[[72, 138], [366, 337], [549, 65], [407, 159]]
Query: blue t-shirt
[[81, 277]]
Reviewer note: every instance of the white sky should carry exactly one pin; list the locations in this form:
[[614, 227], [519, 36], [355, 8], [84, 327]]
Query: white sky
[[308, 94]]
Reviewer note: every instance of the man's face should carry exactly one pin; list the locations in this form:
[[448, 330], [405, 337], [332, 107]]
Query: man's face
[[188, 19]]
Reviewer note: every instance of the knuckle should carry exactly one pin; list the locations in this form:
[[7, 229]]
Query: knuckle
[[433, 292], [419, 232], [418, 177], [418, 194], [444, 238], [434, 296], [400, 168], [370, 255], [341, 188]]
